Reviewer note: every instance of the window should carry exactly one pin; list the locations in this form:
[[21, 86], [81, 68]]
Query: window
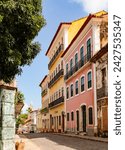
[[76, 86], [71, 66], [66, 68], [59, 120], [67, 116], [72, 116], [71, 90], [62, 91], [90, 116], [88, 49], [54, 73], [103, 76], [58, 67], [76, 58], [67, 92], [82, 84], [56, 95], [61, 64], [59, 93], [76, 61], [89, 79], [82, 55]]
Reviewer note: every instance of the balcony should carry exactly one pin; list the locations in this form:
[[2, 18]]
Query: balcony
[[44, 92], [102, 92], [78, 65], [56, 77], [44, 110], [56, 102], [55, 55]]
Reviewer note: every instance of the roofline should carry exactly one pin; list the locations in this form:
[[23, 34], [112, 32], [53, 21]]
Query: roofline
[[83, 26], [43, 80], [59, 27]]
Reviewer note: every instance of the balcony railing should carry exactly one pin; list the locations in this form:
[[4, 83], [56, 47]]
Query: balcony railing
[[55, 55], [56, 77], [56, 102], [44, 110], [102, 92], [78, 65], [44, 92]]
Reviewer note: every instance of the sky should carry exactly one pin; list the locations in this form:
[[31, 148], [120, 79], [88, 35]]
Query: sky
[[54, 11]]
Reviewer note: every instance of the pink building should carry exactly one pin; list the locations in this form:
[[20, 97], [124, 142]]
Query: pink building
[[80, 78]]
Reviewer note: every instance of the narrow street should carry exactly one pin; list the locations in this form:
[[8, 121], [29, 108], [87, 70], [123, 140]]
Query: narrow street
[[49, 141]]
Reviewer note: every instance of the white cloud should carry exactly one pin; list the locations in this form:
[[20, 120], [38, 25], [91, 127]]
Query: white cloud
[[91, 6]]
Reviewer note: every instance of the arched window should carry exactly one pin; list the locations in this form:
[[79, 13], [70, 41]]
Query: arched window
[[72, 115], [82, 56], [67, 68], [76, 87], [67, 92], [89, 77], [76, 61], [71, 66], [71, 90], [88, 49], [82, 84], [67, 116], [62, 64], [62, 91], [90, 115]]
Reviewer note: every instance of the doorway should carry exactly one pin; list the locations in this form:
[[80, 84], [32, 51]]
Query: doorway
[[77, 119], [84, 118]]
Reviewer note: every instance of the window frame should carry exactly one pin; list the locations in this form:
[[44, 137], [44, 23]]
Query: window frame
[[71, 90], [90, 115], [67, 93], [89, 81], [72, 116], [81, 83], [77, 90]]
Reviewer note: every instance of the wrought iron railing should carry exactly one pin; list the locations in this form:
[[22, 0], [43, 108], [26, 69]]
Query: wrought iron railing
[[55, 55], [44, 92], [78, 65], [56, 102], [56, 77]]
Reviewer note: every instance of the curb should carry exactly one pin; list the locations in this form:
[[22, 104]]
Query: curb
[[84, 137]]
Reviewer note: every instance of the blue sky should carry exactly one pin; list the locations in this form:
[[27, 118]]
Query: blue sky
[[54, 11]]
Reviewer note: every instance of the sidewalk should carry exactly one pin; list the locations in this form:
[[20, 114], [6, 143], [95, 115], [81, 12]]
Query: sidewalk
[[92, 138], [29, 145]]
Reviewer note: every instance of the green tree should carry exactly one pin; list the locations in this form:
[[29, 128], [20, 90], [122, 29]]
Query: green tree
[[21, 119], [20, 22], [19, 97]]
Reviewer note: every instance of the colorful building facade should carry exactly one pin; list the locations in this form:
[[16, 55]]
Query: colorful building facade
[[56, 72], [80, 78], [72, 98], [60, 41], [45, 103]]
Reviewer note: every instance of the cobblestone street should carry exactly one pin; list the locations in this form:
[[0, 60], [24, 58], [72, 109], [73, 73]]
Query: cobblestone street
[[48, 141]]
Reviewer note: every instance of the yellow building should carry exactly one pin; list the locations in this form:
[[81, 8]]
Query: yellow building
[[45, 101], [63, 37]]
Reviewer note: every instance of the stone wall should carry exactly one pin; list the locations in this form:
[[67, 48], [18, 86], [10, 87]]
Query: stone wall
[[7, 118]]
